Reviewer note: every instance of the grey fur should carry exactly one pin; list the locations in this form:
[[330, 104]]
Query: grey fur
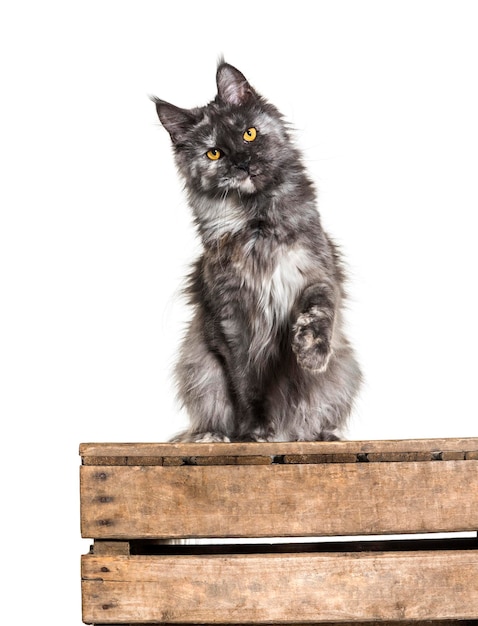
[[265, 356]]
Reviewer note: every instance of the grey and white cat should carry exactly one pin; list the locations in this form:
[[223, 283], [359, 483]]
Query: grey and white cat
[[265, 357]]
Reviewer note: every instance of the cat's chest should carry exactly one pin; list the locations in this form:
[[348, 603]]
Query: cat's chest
[[269, 281]]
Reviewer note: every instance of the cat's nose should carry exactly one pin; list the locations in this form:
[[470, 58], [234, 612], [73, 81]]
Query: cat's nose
[[243, 165]]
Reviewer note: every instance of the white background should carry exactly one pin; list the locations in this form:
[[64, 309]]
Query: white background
[[95, 235]]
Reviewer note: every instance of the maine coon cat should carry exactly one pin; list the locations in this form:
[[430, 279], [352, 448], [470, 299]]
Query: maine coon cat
[[265, 357]]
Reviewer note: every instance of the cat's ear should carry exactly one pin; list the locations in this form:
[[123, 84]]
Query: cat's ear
[[232, 85], [175, 120]]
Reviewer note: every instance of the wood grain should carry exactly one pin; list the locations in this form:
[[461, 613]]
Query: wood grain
[[280, 589], [335, 451], [427, 622], [124, 502]]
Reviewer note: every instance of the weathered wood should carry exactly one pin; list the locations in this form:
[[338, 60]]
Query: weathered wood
[[293, 452], [124, 502], [133, 495], [440, 622], [381, 623], [217, 460], [111, 548], [290, 588]]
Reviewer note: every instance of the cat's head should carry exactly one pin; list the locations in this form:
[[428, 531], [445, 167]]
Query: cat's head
[[237, 143]]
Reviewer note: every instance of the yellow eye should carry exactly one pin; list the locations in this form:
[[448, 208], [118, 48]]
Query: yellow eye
[[250, 134], [213, 154]]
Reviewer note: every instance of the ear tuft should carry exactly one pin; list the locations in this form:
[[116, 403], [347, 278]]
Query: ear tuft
[[232, 85]]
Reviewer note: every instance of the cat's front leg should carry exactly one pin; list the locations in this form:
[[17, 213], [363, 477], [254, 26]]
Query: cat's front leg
[[202, 389], [190, 436], [313, 327]]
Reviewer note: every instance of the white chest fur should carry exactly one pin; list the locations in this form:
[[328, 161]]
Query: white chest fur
[[280, 290], [276, 291]]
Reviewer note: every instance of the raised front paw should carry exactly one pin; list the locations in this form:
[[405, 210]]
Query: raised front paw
[[311, 340]]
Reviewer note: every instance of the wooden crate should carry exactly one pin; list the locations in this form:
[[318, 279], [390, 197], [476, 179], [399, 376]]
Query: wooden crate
[[135, 496]]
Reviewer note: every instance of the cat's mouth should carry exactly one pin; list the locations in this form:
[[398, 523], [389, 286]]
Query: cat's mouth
[[247, 182]]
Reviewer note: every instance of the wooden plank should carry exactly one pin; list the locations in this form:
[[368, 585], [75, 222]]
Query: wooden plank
[[111, 548], [381, 623], [330, 457], [218, 460], [156, 453], [123, 502], [258, 589]]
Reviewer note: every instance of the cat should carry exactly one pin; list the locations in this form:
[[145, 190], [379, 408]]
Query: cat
[[264, 357]]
